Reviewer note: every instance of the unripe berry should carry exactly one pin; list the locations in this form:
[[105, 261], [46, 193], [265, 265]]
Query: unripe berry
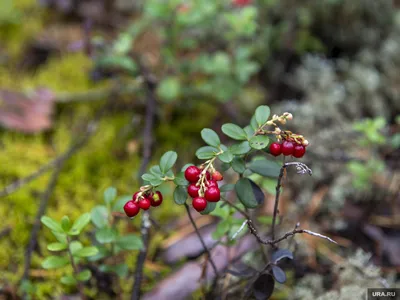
[[217, 176], [156, 199], [275, 149], [212, 183], [193, 190], [192, 173], [287, 148], [299, 151], [144, 203], [199, 203], [212, 194], [131, 209]]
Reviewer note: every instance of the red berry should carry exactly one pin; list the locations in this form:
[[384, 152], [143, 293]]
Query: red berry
[[192, 173], [299, 151], [145, 203], [275, 149], [208, 175], [212, 194], [287, 148], [199, 203], [135, 196], [156, 199], [212, 183], [193, 190], [217, 176], [241, 3], [131, 209]]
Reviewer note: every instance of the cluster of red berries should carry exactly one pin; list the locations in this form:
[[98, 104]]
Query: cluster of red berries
[[144, 201], [287, 148], [210, 189]]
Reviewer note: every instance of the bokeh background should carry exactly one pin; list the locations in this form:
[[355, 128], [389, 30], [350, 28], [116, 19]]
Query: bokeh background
[[334, 64]]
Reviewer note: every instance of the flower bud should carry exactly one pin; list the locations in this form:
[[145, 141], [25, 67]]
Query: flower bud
[[305, 143]]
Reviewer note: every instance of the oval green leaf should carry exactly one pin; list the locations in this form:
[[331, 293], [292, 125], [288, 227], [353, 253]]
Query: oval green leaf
[[84, 275], [234, 131], [57, 246], [238, 165], [262, 114], [226, 156], [167, 161], [109, 195], [259, 142], [209, 208], [130, 242], [210, 137], [79, 224], [86, 251], [54, 262], [106, 235], [99, 216], [265, 167], [240, 149], [51, 224], [249, 193], [180, 195], [206, 152]]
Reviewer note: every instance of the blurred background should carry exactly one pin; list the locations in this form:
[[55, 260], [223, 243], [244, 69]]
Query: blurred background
[[74, 81]]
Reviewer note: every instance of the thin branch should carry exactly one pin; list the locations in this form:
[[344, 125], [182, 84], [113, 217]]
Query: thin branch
[[301, 169], [273, 242], [147, 144], [75, 268], [201, 239]]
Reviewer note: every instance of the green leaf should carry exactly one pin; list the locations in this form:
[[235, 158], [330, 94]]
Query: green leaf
[[86, 252], [119, 204], [156, 170], [238, 165], [57, 246], [61, 237], [154, 180], [121, 270], [167, 161], [210, 137], [169, 89], [259, 142], [109, 195], [65, 223], [68, 280], [206, 152], [262, 114], [222, 228], [227, 187], [75, 246], [99, 216], [84, 275], [51, 224], [106, 235], [240, 149], [249, 193], [79, 224], [234, 131], [249, 131], [130, 242], [180, 179], [103, 252], [226, 156], [209, 208], [265, 167], [180, 195], [253, 123], [54, 262]]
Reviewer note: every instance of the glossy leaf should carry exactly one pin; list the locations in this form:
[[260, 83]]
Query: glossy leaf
[[206, 152], [262, 114], [84, 275], [86, 252], [54, 262], [156, 170], [61, 237], [154, 180], [263, 287], [278, 274], [280, 254], [265, 168], [259, 142], [180, 179], [79, 224], [238, 165], [105, 235], [209, 208], [57, 246], [226, 156], [65, 223], [249, 131], [180, 195], [99, 216], [167, 161], [227, 187], [109, 195], [51, 224], [75, 246], [240, 149], [249, 193], [130, 242], [210, 137], [234, 131]]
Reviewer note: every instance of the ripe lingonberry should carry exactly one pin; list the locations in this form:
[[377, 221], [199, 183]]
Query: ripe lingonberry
[[199, 203], [211, 183], [287, 148], [144, 203], [134, 197], [131, 208], [192, 173], [212, 194], [156, 199], [217, 176], [241, 3], [193, 190], [275, 149], [299, 151]]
